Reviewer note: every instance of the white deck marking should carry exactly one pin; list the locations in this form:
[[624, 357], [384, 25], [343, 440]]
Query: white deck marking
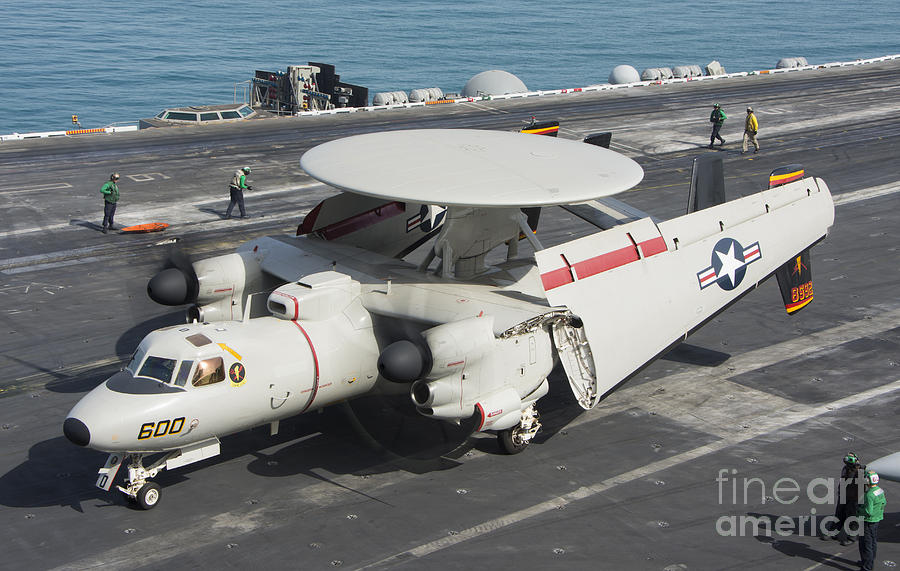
[[768, 424], [34, 187], [867, 193]]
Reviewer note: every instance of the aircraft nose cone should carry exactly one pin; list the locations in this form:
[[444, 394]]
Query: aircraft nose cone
[[169, 287], [76, 431]]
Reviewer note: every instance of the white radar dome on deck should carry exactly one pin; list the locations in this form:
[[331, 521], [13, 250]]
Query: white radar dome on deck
[[624, 74], [493, 82]]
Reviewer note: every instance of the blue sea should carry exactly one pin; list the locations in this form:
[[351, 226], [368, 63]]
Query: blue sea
[[111, 61]]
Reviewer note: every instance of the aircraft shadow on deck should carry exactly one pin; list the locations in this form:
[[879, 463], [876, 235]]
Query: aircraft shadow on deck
[[129, 340], [44, 480], [695, 355], [125, 345]]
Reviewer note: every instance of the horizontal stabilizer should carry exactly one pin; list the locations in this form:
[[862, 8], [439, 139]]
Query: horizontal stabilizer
[[386, 227], [795, 282], [606, 212]]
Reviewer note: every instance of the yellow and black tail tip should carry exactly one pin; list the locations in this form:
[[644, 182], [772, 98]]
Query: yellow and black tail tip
[[795, 282], [785, 174], [549, 128]]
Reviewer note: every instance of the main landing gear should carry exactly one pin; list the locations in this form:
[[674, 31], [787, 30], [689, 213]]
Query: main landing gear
[[514, 440]]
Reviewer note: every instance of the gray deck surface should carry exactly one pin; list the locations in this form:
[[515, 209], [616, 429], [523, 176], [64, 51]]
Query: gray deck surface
[[629, 485]]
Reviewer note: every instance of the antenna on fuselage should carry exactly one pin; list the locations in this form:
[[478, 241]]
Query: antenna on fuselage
[[247, 307]]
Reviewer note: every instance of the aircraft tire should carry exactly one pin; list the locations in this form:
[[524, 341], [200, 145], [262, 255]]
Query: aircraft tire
[[510, 442], [148, 496]]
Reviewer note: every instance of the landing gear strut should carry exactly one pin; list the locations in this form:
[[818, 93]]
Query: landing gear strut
[[137, 488], [514, 440]]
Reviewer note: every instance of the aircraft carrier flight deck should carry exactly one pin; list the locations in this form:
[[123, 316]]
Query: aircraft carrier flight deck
[[652, 478]]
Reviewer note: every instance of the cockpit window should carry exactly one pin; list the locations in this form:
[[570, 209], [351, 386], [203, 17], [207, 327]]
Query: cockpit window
[[183, 373], [135, 362], [158, 368], [209, 371]]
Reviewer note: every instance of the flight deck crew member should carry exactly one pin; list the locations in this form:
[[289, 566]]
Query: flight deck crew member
[[872, 512], [236, 188], [751, 126], [717, 118], [110, 191], [848, 498]]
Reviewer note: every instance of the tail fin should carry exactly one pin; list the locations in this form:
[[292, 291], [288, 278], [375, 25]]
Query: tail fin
[[707, 183], [795, 282], [785, 174]]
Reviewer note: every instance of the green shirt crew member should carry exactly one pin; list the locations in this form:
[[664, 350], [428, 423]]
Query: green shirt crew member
[[872, 512], [110, 191], [236, 190], [717, 118]]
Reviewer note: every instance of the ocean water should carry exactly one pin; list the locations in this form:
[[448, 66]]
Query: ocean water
[[111, 61]]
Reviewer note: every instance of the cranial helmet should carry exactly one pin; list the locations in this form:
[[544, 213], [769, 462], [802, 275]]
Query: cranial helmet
[[871, 478]]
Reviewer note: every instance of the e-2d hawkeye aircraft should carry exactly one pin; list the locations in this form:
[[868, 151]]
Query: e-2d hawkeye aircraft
[[471, 340]]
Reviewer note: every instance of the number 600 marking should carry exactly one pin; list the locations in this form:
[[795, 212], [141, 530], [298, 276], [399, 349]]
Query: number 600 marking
[[161, 428]]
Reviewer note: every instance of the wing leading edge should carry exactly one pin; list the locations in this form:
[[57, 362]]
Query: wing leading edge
[[641, 287]]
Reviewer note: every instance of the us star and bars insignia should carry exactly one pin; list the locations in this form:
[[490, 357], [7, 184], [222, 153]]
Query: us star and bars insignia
[[729, 261]]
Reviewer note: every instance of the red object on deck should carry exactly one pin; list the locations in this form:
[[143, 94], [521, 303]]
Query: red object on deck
[[143, 228]]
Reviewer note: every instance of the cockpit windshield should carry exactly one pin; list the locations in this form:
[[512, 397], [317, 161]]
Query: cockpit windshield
[[158, 368], [136, 359]]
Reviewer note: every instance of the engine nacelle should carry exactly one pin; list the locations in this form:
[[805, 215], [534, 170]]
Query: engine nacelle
[[314, 298], [227, 277], [455, 344], [500, 410], [475, 372]]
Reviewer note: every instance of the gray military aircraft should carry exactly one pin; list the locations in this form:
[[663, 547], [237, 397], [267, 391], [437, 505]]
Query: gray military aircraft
[[887, 467], [472, 333]]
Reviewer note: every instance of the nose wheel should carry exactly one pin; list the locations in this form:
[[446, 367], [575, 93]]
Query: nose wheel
[[138, 489], [148, 496]]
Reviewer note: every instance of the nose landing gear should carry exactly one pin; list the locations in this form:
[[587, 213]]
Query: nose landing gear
[[137, 486]]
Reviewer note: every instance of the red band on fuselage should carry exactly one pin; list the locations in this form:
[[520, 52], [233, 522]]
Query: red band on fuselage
[[312, 349]]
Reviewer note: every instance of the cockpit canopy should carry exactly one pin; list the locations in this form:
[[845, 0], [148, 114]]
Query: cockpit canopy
[[174, 371]]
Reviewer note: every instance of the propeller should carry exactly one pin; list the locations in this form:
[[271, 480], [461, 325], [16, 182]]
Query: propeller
[[177, 283], [387, 419]]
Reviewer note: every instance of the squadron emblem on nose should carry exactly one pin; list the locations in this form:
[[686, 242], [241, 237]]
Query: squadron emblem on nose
[[237, 374]]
